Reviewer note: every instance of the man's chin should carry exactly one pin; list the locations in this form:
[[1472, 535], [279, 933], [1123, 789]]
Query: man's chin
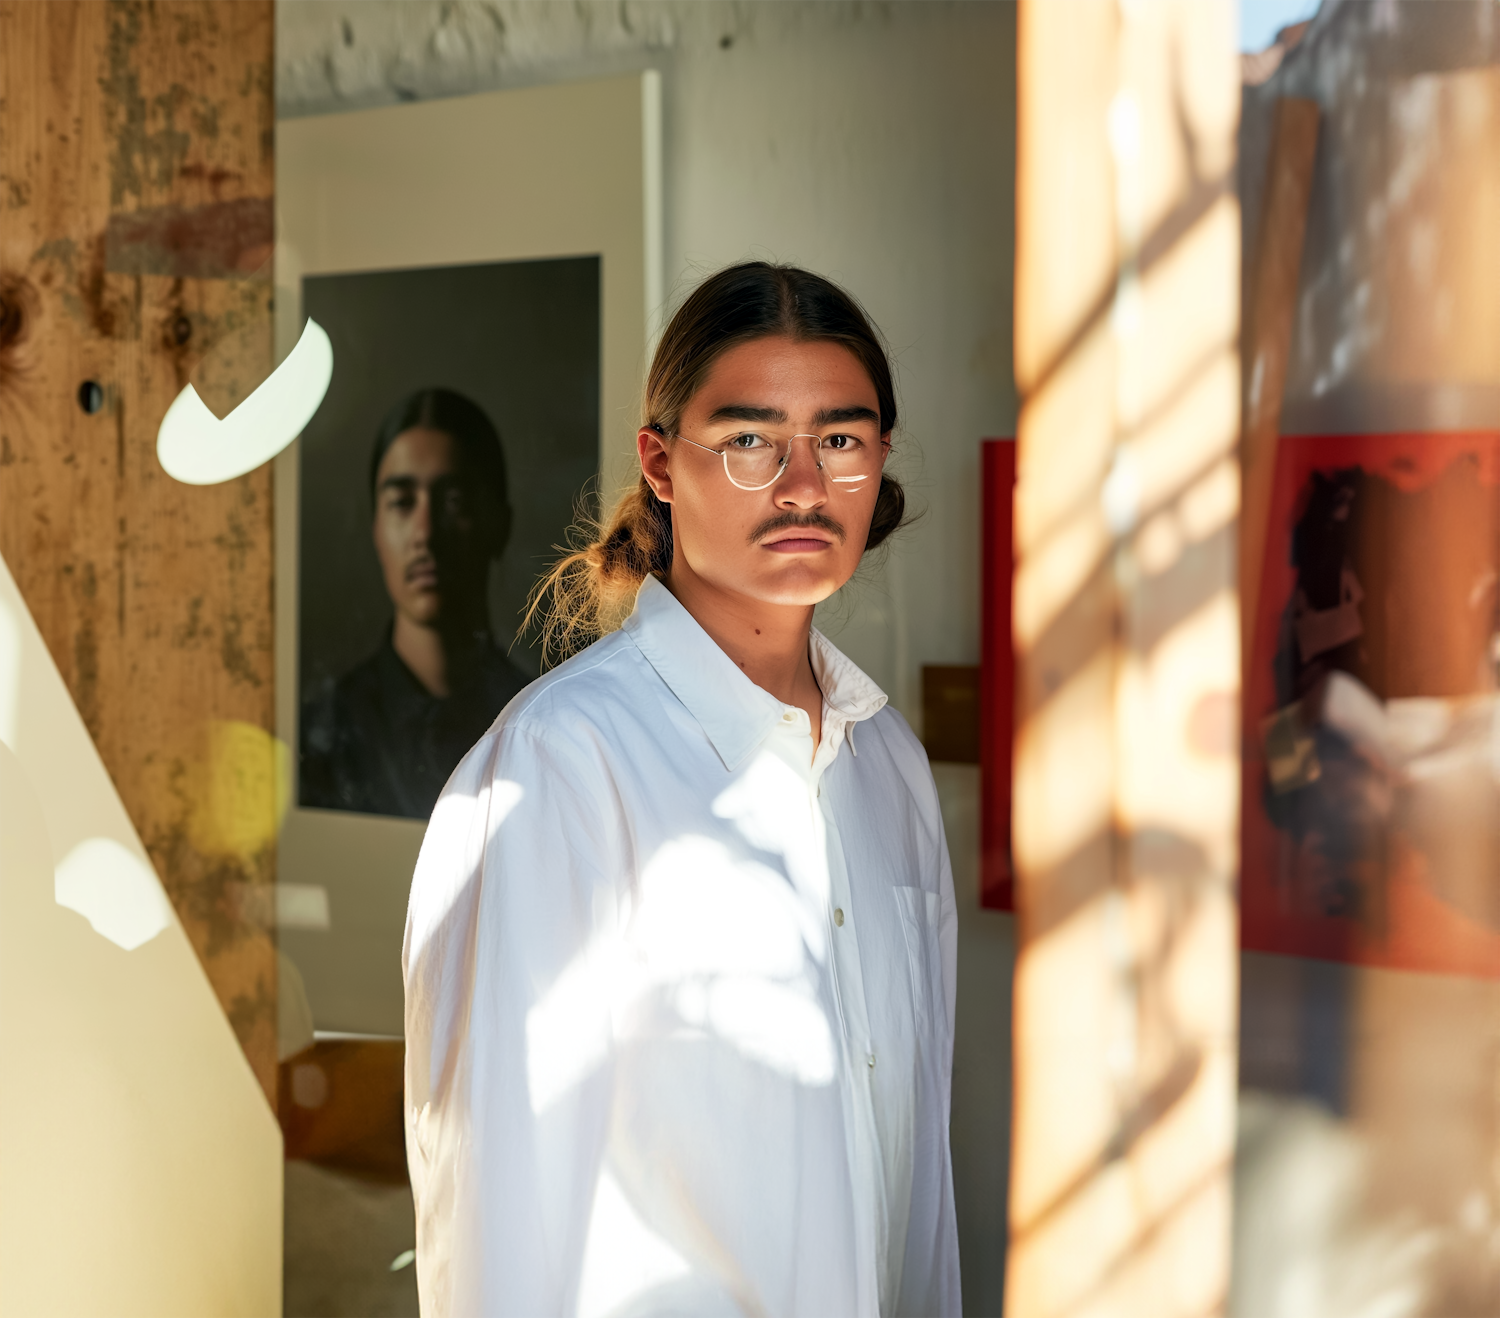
[[425, 611], [795, 589]]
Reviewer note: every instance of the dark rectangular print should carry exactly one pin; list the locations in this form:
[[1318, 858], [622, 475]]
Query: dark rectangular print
[[517, 343]]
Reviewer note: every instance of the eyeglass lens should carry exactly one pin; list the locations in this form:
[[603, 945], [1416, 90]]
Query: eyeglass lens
[[755, 459]]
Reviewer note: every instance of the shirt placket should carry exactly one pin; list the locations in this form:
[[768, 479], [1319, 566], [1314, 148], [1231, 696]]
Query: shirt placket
[[846, 974], [860, 1047]]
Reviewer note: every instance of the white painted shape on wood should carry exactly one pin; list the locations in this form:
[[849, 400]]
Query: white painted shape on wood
[[198, 448], [118, 895]]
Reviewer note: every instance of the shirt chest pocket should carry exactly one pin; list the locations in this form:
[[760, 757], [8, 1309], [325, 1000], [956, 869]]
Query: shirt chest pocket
[[921, 917]]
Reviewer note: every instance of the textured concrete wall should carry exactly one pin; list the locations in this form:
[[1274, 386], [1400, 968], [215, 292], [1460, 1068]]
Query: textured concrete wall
[[373, 52], [873, 142]]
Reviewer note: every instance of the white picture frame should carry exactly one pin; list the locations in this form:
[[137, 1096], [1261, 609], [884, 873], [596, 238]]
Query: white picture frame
[[564, 170]]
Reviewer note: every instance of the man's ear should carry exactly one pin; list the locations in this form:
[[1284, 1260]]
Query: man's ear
[[651, 446]]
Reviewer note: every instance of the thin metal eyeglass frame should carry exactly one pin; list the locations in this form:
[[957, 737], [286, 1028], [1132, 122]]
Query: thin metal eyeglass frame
[[780, 466]]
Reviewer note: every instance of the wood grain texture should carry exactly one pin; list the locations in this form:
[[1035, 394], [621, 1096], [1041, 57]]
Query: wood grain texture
[[136, 147], [950, 712], [1268, 322], [1127, 660], [341, 1105]]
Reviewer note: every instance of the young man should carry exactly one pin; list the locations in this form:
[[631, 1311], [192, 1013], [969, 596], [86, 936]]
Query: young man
[[681, 944]]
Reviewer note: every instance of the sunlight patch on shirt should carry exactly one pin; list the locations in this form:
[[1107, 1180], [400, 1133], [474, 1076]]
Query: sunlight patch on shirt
[[729, 941], [624, 1258], [568, 1030], [452, 855], [772, 809], [703, 911], [758, 801], [724, 942], [779, 1025]]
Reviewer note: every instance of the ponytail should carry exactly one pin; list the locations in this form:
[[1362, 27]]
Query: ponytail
[[590, 591]]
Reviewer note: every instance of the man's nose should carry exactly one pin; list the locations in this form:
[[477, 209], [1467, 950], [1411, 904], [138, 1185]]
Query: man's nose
[[801, 485], [421, 518]]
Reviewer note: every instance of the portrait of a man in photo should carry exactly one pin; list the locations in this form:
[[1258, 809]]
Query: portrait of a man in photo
[[384, 737]]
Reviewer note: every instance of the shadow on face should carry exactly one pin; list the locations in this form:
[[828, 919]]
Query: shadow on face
[[436, 529]]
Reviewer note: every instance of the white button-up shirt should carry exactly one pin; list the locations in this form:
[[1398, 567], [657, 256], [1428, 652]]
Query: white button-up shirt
[[679, 999]]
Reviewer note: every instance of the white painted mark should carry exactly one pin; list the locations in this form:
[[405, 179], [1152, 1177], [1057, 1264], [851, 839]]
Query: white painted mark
[[114, 890], [197, 448]]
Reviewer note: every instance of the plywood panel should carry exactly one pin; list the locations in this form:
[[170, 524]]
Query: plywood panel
[[136, 143], [1268, 338], [1127, 649]]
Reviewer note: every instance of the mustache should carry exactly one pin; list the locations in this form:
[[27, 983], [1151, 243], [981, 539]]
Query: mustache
[[798, 521]]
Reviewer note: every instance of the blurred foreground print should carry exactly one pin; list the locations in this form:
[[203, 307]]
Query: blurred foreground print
[[1372, 763]]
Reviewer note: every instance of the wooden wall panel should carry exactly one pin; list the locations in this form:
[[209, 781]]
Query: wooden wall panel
[[1268, 338], [1127, 652], [136, 154]]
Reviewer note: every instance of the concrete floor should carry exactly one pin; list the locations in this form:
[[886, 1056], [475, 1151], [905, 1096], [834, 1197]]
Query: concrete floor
[[342, 1235]]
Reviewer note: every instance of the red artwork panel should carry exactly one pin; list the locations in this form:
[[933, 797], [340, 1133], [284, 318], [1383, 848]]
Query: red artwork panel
[[1372, 759], [997, 676]]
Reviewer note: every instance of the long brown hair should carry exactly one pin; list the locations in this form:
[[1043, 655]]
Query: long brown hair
[[592, 588]]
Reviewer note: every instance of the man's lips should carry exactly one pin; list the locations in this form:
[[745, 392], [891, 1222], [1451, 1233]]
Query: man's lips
[[422, 574], [802, 544]]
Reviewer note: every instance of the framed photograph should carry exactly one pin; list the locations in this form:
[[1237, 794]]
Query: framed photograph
[[484, 267], [1371, 825]]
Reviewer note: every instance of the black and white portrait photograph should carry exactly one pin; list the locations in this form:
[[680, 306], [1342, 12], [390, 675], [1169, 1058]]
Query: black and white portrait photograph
[[447, 462]]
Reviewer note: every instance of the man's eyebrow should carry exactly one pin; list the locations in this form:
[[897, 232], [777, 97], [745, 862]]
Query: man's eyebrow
[[830, 416], [744, 412], [398, 481]]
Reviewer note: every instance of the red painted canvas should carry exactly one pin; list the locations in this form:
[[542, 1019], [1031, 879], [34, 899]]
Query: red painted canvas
[[997, 676], [1372, 760]]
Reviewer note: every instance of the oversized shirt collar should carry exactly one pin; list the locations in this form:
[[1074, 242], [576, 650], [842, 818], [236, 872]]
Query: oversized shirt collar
[[734, 713]]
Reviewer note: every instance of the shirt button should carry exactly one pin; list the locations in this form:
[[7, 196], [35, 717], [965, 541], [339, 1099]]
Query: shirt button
[[789, 717], [872, 1061], [838, 915]]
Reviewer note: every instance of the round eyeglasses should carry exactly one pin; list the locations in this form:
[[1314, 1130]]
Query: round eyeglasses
[[756, 459]]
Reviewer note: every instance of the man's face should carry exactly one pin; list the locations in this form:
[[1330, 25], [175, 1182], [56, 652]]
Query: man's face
[[801, 538], [434, 530]]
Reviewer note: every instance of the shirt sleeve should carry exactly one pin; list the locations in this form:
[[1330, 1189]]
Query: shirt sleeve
[[947, 941], [509, 1061]]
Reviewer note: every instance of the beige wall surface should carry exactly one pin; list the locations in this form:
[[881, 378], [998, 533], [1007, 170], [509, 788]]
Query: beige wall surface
[[140, 1166], [872, 142]]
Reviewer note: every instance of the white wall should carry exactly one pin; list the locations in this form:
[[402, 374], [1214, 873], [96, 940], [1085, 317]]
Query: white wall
[[873, 142]]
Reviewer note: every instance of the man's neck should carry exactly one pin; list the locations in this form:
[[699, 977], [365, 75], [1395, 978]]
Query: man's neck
[[768, 642], [438, 658]]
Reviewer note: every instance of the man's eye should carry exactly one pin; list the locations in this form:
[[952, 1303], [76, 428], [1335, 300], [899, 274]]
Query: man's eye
[[749, 441], [841, 443]]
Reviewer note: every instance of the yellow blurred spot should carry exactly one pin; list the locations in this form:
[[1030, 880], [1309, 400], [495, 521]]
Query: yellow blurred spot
[[246, 788]]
